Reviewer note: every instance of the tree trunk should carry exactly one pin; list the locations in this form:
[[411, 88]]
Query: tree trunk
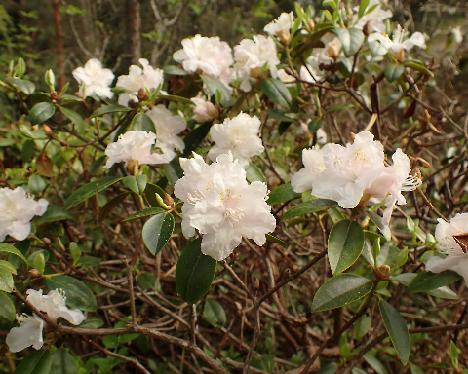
[[134, 24]]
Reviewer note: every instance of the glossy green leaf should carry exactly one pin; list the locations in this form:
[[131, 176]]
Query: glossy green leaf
[[89, 190], [214, 87], [64, 362], [314, 206], [393, 71], [281, 194], [38, 362], [11, 249], [110, 108], [427, 281], [36, 183], [54, 213], [397, 329], [144, 213], [78, 293], [136, 184], [351, 39], [73, 116], [194, 272], [345, 245], [363, 7], [142, 122], [195, 137], [277, 92], [22, 85], [41, 112], [339, 291], [37, 261], [157, 231], [7, 307], [6, 280]]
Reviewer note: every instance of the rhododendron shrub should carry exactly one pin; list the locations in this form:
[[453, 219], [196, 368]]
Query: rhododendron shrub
[[289, 203]]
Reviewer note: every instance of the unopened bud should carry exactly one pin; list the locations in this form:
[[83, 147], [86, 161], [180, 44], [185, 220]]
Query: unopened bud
[[382, 272], [401, 55], [47, 130], [310, 25], [49, 78], [284, 36], [367, 29], [47, 241], [142, 95], [34, 273], [168, 200]]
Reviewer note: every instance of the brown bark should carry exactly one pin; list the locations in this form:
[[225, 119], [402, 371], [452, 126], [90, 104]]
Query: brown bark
[[59, 44], [134, 25]]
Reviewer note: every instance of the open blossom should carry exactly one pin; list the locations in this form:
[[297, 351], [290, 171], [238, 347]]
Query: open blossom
[[238, 135], [27, 334], [144, 78], [373, 19], [251, 55], [356, 173], [53, 304], [457, 34], [380, 44], [167, 125], [94, 79], [204, 110], [451, 237], [208, 55], [281, 26], [222, 205], [17, 209], [311, 71]]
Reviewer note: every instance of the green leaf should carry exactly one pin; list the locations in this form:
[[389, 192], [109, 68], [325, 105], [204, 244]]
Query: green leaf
[[41, 112], [397, 329], [142, 122], [36, 183], [393, 71], [110, 108], [151, 191], [345, 245], [157, 231], [6, 280], [174, 70], [135, 184], [37, 261], [427, 281], [351, 40], [418, 66], [194, 272], [362, 7], [54, 213], [195, 137], [38, 362], [281, 194], [453, 354], [339, 291], [88, 190], [64, 363], [214, 313], [274, 239], [27, 150], [73, 116], [7, 266], [277, 92], [22, 85], [7, 307], [78, 293], [144, 213], [309, 207], [214, 87], [10, 248]]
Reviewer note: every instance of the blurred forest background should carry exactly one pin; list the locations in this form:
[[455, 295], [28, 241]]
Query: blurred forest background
[[63, 34]]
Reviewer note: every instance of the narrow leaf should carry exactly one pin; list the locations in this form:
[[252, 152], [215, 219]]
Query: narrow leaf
[[88, 190]]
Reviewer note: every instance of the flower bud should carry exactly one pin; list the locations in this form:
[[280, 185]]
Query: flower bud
[[49, 78], [47, 130], [382, 272], [132, 167], [284, 36], [401, 55], [142, 95], [204, 110], [310, 25]]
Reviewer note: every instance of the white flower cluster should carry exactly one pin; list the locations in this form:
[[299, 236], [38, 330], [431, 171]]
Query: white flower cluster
[[356, 173], [29, 332], [17, 209], [452, 238], [222, 205], [137, 145], [144, 78]]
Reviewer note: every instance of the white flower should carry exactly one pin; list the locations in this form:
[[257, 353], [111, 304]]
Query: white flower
[[457, 255], [284, 77], [335, 172], [373, 20], [381, 44], [167, 125], [280, 26], [208, 55], [222, 205], [53, 304], [322, 137], [253, 54], [204, 110], [238, 135], [457, 34], [17, 209], [94, 79], [311, 71], [28, 334], [145, 78]]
